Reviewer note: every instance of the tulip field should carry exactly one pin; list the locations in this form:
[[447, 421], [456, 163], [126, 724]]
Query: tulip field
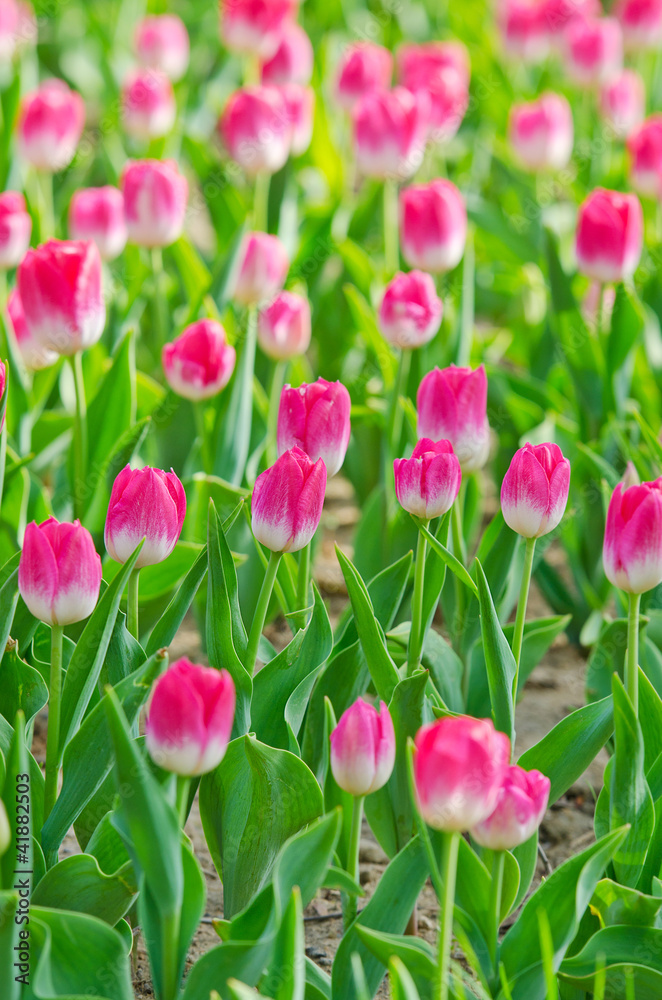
[[330, 500]]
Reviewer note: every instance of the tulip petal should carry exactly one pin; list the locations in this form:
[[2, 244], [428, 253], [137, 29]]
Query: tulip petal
[[37, 574]]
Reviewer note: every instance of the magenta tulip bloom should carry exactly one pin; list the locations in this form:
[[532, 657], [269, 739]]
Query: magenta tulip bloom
[[60, 287], [144, 503], [632, 553], [363, 748], [35, 357], [534, 492], [427, 484], [459, 767], [410, 310], [161, 42], [148, 104], [315, 419], [263, 269], [610, 235], [50, 125], [199, 363], [518, 813], [15, 229], [452, 405], [155, 195], [97, 214], [390, 130], [418, 62], [593, 49], [255, 129], [364, 67], [59, 573], [283, 327], [189, 718], [645, 154], [524, 29], [300, 109], [255, 27], [623, 103], [18, 28], [559, 14], [287, 501], [292, 62], [433, 226], [439, 71], [541, 132], [641, 22]]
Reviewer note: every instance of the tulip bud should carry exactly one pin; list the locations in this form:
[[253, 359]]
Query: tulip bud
[[155, 195], [559, 14], [15, 229], [452, 405], [59, 573], [35, 357], [255, 27], [447, 95], [60, 287], [534, 492], [199, 363], [623, 102], [363, 748], [315, 419], [292, 62], [50, 125], [641, 22], [459, 767], [255, 129], [17, 29], [144, 504], [263, 269], [300, 107], [97, 214], [593, 50], [610, 235], [524, 30], [645, 153], [189, 718], [390, 129], [433, 226], [410, 310], [632, 553], [283, 327], [630, 476], [416, 63], [5, 830], [148, 104], [541, 132], [364, 67], [287, 501], [161, 42], [427, 484], [518, 813]]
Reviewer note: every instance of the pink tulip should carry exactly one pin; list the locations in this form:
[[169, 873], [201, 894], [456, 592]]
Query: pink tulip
[[60, 287], [255, 27], [15, 229], [35, 357], [447, 96], [452, 405], [161, 42], [97, 214], [645, 153], [598, 304], [263, 269], [50, 125], [433, 226], [199, 363], [427, 484], [390, 130], [144, 504], [189, 718], [593, 50], [415, 63], [283, 327], [155, 195], [300, 107], [534, 492], [287, 501], [632, 553], [610, 234], [541, 132], [410, 310], [18, 28], [559, 14], [459, 767], [59, 573], [524, 29], [623, 102], [363, 748], [364, 67], [315, 419], [148, 104], [255, 129], [292, 62], [641, 21], [518, 813]]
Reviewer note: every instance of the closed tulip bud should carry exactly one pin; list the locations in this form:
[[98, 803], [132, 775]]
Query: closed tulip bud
[[292, 62], [5, 830], [623, 102], [641, 21], [161, 42], [50, 125], [447, 97], [300, 105], [433, 226], [415, 63], [632, 553], [452, 405], [427, 484], [410, 311], [263, 269], [645, 154], [459, 767], [283, 327], [610, 235], [364, 67], [524, 29], [255, 27], [315, 419], [148, 104], [155, 195], [255, 129], [287, 501], [60, 287], [534, 492], [15, 229], [518, 813], [541, 132], [144, 504], [593, 50], [630, 476], [189, 718], [59, 573], [363, 748], [390, 129], [199, 363], [97, 214], [35, 357]]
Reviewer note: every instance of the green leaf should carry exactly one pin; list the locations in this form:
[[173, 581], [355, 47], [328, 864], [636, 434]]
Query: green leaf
[[21, 687], [285, 978], [627, 325], [402, 984], [20, 808], [10, 988], [234, 431], [113, 409], [450, 560], [78, 884], [415, 954], [633, 951], [499, 660], [168, 624], [364, 319], [242, 960], [616, 904], [8, 601]]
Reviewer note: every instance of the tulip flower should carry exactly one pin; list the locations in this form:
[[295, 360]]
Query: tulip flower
[[255, 27], [415, 63], [541, 132], [144, 504], [559, 13], [641, 22], [18, 28], [410, 310], [389, 134], [35, 357], [315, 419], [645, 154], [519, 809], [50, 125], [524, 29], [15, 229], [300, 107], [255, 129], [161, 42], [283, 327], [623, 103], [593, 50], [200, 362], [534, 492], [433, 226], [440, 71], [292, 62], [97, 214], [365, 66], [452, 404], [263, 269], [148, 104], [610, 233], [155, 195]]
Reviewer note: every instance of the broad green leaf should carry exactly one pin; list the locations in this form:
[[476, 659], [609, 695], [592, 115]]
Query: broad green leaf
[[450, 560], [8, 601], [622, 950], [168, 624], [20, 809], [285, 978], [234, 430], [499, 660], [242, 960], [616, 904], [113, 410], [78, 884], [415, 954], [402, 984], [10, 987], [364, 318], [21, 687]]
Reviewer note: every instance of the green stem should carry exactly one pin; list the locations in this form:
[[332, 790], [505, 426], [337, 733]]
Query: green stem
[[451, 845], [495, 906], [132, 602], [261, 203], [353, 857], [199, 409], [183, 789], [53, 734], [277, 382], [160, 314], [460, 552], [80, 434], [303, 577], [520, 618], [391, 233], [261, 611], [394, 425], [416, 637], [632, 656], [170, 956]]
